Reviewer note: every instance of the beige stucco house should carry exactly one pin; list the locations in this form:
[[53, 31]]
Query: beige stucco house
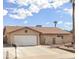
[[23, 36]]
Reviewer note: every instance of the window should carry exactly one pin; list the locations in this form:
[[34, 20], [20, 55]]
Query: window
[[25, 31], [59, 35]]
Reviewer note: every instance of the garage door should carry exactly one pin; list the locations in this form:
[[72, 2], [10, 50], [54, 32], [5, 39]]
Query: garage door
[[25, 40]]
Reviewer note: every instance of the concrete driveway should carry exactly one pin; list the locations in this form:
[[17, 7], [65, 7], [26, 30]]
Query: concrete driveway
[[37, 52]]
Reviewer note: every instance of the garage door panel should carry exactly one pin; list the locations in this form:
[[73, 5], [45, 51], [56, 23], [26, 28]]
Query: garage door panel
[[25, 40]]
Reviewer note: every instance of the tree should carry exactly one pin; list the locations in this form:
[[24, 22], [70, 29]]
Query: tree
[[55, 23]]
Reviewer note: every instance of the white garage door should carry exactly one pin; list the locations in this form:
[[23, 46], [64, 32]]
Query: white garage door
[[25, 40]]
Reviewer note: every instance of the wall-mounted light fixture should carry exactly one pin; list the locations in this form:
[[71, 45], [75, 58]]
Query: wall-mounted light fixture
[[25, 31]]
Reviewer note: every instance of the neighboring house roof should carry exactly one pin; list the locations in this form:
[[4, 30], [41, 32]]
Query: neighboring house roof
[[43, 30]]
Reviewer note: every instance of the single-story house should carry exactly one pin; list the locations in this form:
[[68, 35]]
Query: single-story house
[[23, 36]]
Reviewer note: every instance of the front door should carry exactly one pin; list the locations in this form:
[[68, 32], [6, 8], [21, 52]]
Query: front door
[[54, 41]]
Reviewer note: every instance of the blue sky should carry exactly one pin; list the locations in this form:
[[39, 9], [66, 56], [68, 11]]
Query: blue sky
[[32, 13]]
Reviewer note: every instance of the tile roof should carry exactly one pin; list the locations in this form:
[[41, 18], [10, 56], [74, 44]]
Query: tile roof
[[43, 30], [50, 30]]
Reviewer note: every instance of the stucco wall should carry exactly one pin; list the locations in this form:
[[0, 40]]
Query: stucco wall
[[48, 39], [68, 38], [42, 38], [22, 32]]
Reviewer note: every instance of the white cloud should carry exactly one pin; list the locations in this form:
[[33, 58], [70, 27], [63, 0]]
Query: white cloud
[[11, 1], [58, 3], [67, 28], [5, 12], [48, 23], [68, 10], [22, 2], [68, 25], [20, 13], [41, 3], [34, 9], [60, 22], [35, 6], [17, 16]]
